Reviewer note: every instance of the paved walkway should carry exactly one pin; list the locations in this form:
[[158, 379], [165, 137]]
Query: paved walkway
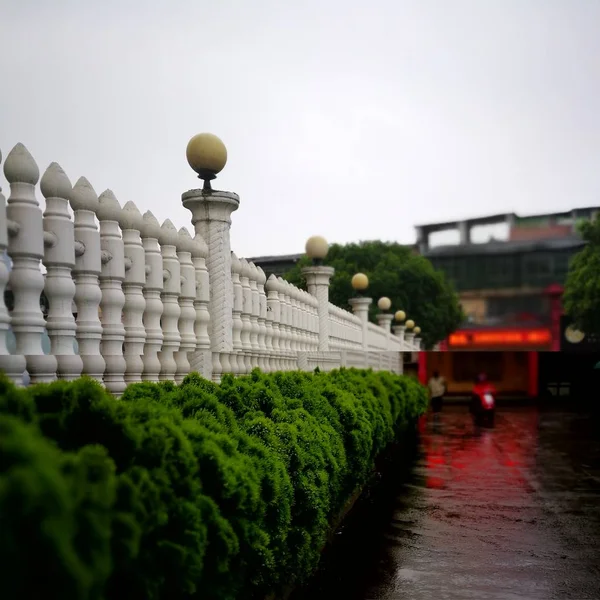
[[511, 513]]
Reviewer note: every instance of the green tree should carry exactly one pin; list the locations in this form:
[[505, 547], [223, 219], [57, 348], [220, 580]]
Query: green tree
[[582, 289], [409, 280]]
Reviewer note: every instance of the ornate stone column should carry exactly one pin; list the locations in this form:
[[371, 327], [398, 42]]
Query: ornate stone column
[[26, 249], [360, 307], [317, 283], [13, 365], [399, 332]]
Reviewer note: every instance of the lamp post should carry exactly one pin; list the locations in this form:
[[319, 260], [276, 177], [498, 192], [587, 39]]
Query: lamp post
[[409, 334], [317, 278], [360, 304], [417, 339], [211, 215], [384, 319], [400, 317]]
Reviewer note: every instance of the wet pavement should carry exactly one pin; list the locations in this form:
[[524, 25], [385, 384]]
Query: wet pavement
[[508, 513]]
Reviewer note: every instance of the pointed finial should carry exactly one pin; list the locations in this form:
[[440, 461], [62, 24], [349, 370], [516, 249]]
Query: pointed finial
[[20, 167], [109, 208], [131, 217], [55, 183], [83, 196]]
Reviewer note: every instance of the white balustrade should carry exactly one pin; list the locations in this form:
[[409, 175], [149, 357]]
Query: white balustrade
[[130, 301]]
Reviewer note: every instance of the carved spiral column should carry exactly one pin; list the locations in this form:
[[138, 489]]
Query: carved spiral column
[[211, 215], [317, 283]]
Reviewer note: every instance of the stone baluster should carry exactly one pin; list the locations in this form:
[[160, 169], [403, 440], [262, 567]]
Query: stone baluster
[[238, 305], [417, 342], [254, 315], [13, 365], [26, 249], [269, 331], [187, 316], [274, 311], [409, 338], [201, 359], [384, 320], [59, 259], [261, 279], [246, 312], [113, 298], [286, 323], [170, 298], [132, 223], [152, 295], [88, 266], [291, 294]]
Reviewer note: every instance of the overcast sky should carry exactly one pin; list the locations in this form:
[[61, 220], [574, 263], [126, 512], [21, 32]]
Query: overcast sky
[[350, 119]]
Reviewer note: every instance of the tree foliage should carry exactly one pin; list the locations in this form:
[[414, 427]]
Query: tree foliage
[[581, 298], [185, 491], [409, 280]]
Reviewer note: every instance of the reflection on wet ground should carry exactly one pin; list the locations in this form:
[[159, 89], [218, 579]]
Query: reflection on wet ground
[[508, 513]]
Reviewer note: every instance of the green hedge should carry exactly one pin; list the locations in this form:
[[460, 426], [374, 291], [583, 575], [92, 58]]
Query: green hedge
[[191, 491]]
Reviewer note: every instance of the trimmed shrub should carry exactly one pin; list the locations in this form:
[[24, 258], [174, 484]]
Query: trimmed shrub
[[216, 491]]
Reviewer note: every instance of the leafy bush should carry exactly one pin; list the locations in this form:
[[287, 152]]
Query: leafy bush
[[186, 491]]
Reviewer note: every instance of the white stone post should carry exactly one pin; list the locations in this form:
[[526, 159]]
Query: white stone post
[[417, 343], [59, 259], [360, 307], [170, 299], [201, 359], [384, 320], [399, 333], [187, 317], [13, 365], [113, 298], [26, 249], [132, 223], [152, 295], [254, 315], [409, 337], [317, 283], [211, 215], [237, 362], [88, 266]]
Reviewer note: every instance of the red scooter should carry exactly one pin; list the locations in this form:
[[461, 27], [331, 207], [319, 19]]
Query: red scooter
[[483, 402]]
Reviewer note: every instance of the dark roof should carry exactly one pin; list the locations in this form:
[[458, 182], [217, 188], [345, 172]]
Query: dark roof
[[285, 258], [507, 247]]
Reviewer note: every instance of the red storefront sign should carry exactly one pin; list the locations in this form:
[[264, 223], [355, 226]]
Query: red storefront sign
[[500, 338]]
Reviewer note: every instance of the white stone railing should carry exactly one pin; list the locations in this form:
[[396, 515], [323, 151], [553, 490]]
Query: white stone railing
[[132, 300]]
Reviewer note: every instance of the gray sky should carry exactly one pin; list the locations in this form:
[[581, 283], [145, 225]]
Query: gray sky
[[353, 120]]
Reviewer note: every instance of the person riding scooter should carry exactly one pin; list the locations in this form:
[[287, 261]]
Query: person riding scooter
[[483, 402]]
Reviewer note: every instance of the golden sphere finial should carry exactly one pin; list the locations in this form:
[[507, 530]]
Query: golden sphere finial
[[316, 247], [207, 155], [384, 303], [410, 324], [400, 316], [417, 330], [360, 282]]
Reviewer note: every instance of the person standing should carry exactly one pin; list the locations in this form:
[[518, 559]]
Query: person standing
[[437, 389]]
